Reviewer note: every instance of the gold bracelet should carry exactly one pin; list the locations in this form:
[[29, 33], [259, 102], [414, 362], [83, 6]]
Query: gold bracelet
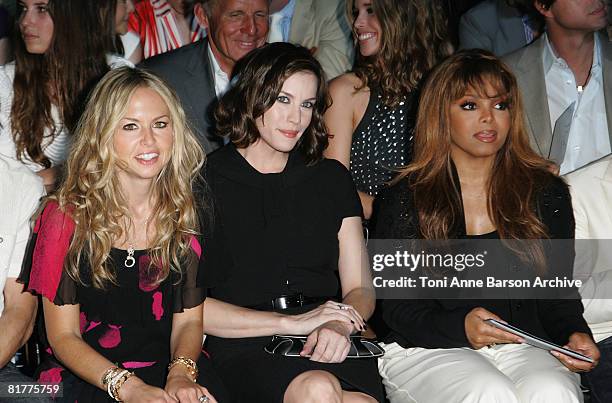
[[109, 374], [118, 382], [189, 363], [107, 378]]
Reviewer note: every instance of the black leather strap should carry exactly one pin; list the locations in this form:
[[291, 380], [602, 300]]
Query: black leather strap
[[291, 301]]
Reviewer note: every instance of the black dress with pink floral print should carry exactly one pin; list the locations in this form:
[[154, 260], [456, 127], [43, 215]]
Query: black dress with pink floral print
[[129, 322]]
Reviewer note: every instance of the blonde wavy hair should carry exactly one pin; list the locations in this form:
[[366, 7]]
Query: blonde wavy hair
[[92, 196]]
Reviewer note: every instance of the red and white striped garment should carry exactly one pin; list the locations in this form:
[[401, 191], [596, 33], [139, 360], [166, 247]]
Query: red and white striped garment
[[156, 26]]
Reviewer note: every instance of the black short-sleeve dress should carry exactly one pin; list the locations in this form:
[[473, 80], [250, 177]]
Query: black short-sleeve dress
[[276, 234], [129, 323]]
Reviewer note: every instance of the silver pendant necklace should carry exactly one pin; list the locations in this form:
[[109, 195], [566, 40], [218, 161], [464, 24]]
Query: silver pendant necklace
[[129, 260]]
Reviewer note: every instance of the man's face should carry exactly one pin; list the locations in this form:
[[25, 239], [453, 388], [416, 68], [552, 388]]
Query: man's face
[[235, 27], [578, 15]]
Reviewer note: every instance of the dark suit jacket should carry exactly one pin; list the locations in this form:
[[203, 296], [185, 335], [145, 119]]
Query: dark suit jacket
[[494, 26], [189, 72]]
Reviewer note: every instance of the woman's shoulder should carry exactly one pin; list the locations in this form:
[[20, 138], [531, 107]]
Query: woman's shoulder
[[554, 206], [331, 166], [349, 103], [217, 159], [221, 154], [398, 191], [348, 78], [42, 270], [396, 198], [55, 218], [328, 173], [346, 85], [7, 76], [8, 70], [553, 188], [394, 215]]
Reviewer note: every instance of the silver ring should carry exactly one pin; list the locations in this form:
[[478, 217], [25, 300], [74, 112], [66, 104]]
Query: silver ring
[[203, 399], [343, 307]]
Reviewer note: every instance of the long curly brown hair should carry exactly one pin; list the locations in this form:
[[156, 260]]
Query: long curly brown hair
[[62, 76], [414, 39]]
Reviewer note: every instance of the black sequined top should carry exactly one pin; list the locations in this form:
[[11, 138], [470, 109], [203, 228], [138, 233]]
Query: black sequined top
[[382, 142]]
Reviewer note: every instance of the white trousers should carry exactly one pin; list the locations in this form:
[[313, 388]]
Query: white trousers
[[509, 373]]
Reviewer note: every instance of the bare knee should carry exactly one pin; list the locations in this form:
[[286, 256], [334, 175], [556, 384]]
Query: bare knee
[[314, 386]]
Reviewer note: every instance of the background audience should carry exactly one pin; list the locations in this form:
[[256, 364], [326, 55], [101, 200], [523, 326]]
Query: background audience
[[20, 191], [319, 25], [499, 26], [372, 115], [162, 25], [42, 92], [114, 19], [565, 80], [199, 72], [591, 190]]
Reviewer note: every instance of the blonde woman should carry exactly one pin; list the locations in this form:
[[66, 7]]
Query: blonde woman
[[115, 252]]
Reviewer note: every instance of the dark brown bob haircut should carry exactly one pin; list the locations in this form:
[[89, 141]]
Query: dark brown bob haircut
[[257, 80]]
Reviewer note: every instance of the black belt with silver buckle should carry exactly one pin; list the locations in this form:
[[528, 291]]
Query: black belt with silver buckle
[[296, 300]]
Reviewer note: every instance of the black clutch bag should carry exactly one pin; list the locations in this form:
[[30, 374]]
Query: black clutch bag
[[291, 346]]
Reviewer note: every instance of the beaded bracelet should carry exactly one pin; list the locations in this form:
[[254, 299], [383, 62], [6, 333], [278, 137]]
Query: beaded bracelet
[[189, 363]]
